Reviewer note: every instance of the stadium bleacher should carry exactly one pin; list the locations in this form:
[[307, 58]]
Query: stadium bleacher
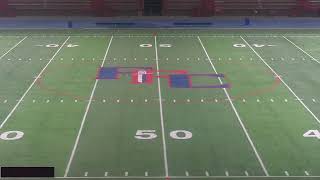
[[169, 7], [51, 7]]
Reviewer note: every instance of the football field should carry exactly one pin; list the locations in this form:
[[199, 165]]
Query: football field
[[162, 104]]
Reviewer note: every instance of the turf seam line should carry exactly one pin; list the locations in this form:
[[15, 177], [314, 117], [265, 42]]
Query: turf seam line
[[161, 111], [237, 114], [301, 49], [32, 84], [86, 113], [13, 47], [288, 87]]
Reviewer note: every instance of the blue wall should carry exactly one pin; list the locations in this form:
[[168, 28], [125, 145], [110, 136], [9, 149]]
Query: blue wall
[[160, 23]]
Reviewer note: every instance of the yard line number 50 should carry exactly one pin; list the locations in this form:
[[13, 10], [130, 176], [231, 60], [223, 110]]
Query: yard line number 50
[[151, 134]]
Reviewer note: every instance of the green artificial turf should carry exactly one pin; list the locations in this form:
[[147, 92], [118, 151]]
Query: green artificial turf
[[86, 127]]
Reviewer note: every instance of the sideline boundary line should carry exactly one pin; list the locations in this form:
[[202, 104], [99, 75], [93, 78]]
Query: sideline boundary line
[[288, 87], [189, 177], [13, 47], [85, 114], [301, 49], [237, 114], [161, 111], [32, 84], [191, 35]]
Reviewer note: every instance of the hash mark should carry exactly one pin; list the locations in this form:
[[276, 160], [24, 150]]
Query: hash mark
[[286, 172], [307, 173]]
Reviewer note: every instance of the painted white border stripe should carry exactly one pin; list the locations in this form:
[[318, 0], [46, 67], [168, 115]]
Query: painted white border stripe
[[301, 49], [85, 114], [237, 114], [161, 112], [13, 47], [297, 97], [34, 81]]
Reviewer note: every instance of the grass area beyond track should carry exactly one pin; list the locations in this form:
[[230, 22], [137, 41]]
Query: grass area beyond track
[[56, 110]]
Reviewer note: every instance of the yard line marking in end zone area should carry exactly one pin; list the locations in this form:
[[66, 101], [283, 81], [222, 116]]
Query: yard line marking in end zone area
[[297, 97], [32, 84], [301, 49], [13, 47], [237, 114], [161, 112], [85, 114]]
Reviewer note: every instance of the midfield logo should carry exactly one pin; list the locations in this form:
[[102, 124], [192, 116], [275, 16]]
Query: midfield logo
[[146, 75]]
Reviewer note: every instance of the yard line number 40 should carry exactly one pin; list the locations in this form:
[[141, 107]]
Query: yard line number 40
[[11, 135]]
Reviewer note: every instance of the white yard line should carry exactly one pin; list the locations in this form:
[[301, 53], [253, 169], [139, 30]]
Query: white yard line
[[85, 114], [301, 49], [13, 47], [32, 84], [161, 112], [237, 114], [275, 73]]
